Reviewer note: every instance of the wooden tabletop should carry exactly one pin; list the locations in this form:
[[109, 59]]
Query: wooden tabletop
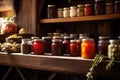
[[55, 63]]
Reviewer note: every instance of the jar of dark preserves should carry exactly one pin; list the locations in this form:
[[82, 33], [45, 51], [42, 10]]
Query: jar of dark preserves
[[38, 46], [51, 11], [66, 45], [26, 46], [103, 47], [88, 10], [75, 48], [99, 7], [56, 47], [80, 10], [48, 42], [117, 6], [109, 9]]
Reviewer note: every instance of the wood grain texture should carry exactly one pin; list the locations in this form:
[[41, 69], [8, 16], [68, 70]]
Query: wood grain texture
[[58, 64], [79, 19]]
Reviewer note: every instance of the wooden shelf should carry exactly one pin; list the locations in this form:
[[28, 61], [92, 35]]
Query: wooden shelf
[[56, 63], [79, 19]]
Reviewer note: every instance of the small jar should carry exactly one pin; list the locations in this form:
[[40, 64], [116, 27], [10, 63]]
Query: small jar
[[51, 11], [60, 13], [66, 12], [66, 45], [75, 48], [73, 11], [83, 36], [103, 47], [56, 47], [99, 7], [74, 36], [113, 49], [80, 10], [48, 42], [117, 7], [88, 48], [26, 46], [109, 9], [38, 47], [88, 10], [104, 38]]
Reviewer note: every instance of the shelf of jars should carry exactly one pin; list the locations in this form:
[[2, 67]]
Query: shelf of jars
[[80, 19], [57, 63]]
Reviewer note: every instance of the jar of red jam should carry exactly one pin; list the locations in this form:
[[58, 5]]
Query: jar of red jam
[[56, 47], [38, 46], [75, 48], [99, 7], [48, 42], [88, 9], [66, 45], [104, 38], [88, 48]]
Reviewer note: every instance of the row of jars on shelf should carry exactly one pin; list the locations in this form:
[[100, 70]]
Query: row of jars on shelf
[[99, 8], [84, 47]]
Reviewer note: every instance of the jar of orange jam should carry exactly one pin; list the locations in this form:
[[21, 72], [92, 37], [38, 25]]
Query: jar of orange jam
[[88, 48]]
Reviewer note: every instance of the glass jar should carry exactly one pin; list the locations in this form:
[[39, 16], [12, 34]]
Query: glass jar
[[109, 9], [103, 47], [56, 47], [38, 47], [26, 46], [51, 11], [66, 12], [73, 11], [104, 38], [117, 6], [59, 12], [113, 49], [48, 42], [75, 48], [80, 10], [74, 36], [99, 7], [88, 48], [83, 36], [88, 10], [66, 45]]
